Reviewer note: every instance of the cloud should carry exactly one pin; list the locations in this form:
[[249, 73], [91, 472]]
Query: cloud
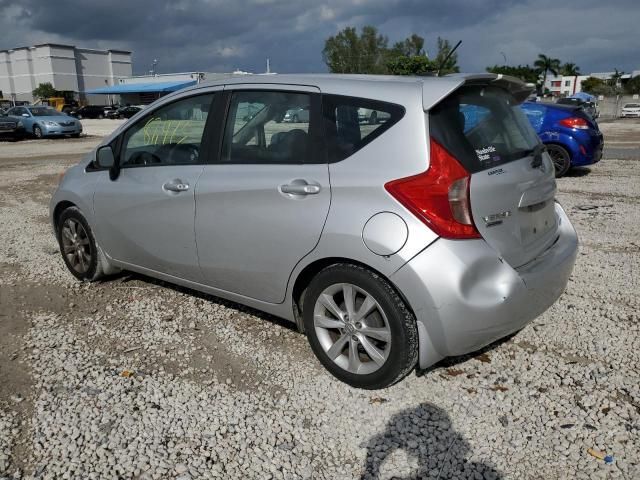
[[217, 35]]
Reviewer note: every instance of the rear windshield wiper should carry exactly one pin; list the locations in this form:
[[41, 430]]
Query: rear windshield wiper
[[536, 152]]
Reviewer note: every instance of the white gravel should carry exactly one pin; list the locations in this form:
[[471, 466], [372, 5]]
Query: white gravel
[[134, 379]]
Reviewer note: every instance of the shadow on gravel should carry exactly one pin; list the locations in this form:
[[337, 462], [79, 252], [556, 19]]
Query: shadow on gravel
[[421, 443], [126, 277], [578, 172]]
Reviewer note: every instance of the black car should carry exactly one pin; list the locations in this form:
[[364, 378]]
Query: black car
[[124, 112], [589, 108], [89, 111], [11, 127]]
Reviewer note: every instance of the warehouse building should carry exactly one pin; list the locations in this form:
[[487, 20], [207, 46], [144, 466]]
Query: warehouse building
[[66, 67]]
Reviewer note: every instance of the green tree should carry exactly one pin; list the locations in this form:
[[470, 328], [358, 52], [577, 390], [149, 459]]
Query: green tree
[[633, 85], [45, 90], [545, 65], [596, 86], [348, 52], [411, 65], [451, 65], [570, 70], [524, 72], [412, 46]]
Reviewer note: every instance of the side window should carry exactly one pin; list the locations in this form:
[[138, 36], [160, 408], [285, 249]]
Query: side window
[[170, 135], [351, 123], [268, 127]]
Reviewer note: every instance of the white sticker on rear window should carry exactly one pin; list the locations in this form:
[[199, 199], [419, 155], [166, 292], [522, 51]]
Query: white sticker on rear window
[[484, 154]]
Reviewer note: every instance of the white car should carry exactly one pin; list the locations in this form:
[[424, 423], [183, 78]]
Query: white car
[[630, 110]]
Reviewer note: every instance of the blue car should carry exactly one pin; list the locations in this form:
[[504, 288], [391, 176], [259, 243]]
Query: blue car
[[43, 121], [571, 136]]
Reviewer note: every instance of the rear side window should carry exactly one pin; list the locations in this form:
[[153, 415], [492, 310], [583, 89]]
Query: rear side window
[[482, 127], [351, 123]]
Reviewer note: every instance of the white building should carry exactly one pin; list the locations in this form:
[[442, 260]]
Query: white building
[[66, 67], [565, 86]]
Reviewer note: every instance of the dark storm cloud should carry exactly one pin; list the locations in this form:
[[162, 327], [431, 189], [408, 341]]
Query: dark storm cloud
[[213, 35]]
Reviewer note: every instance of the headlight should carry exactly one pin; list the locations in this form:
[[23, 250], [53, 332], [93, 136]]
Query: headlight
[[50, 124]]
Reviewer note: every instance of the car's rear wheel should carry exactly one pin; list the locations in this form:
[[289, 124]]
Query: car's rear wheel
[[359, 327], [37, 132], [561, 159], [77, 245]]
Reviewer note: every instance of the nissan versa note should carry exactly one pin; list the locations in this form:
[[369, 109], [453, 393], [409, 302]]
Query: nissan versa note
[[391, 244]]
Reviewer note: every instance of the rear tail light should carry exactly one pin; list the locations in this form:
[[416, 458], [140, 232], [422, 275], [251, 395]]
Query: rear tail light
[[575, 122], [440, 196]]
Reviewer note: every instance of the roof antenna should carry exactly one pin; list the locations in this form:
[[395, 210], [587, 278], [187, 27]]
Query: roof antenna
[[447, 57]]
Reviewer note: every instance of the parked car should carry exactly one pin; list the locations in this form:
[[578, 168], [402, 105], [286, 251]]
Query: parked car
[[89, 111], [391, 247], [590, 108], [297, 115], [572, 138], [372, 116], [11, 127], [41, 121], [630, 110], [124, 112], [109, 109]]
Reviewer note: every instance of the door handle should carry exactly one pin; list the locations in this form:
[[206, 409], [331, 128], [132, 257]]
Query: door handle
[[176, 186], [300, 188]]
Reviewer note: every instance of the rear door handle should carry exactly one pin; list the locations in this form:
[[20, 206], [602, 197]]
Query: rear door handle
[[176, 185], [300, 188]]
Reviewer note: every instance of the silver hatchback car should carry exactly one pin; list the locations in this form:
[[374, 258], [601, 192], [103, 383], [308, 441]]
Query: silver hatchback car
[[391, 244]]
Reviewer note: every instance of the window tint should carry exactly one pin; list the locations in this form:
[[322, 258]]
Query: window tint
[[169, 136], [268, 127], [351, 123], [501, 134]]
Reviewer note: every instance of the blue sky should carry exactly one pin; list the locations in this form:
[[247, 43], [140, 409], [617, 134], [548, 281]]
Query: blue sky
[[221, 36]]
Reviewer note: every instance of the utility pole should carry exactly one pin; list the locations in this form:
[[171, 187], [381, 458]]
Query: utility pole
[[268, 65]]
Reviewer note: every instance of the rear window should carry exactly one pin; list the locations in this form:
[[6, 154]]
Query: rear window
[[350, 123], [482, 127]]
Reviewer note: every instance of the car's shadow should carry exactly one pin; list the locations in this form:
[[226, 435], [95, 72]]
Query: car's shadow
[[421, 442], [576, 172], [125, 277]]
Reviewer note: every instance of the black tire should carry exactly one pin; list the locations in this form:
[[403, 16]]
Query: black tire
[[403, 348], [75, 135], [94, 267], [37, 132], [560, 157], [373, 118]]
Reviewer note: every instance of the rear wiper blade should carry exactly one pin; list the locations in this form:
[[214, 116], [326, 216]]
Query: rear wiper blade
[[536, 152]]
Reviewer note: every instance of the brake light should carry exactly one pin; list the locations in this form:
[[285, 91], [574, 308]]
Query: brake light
[[439, 197], [575, 122]]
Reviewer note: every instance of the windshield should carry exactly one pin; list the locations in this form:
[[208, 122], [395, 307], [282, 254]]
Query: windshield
[[632, 105], [482, 127], [44, 112]]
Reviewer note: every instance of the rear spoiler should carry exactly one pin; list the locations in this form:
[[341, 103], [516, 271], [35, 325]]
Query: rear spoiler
[[450, 83]]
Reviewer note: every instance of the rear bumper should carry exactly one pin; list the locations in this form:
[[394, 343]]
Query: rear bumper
[[465, 297]]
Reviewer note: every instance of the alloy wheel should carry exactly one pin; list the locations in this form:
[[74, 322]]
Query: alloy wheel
[[76, 245], [352, 328]]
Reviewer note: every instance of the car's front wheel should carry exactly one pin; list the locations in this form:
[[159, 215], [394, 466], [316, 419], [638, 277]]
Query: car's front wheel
[[78, 245], [359, 327], [37, 132], [560, 157]]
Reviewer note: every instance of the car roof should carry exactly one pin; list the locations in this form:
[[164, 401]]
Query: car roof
[[389, 87]]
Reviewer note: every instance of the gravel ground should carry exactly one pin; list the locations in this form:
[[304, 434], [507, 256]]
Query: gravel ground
[[134, 378]]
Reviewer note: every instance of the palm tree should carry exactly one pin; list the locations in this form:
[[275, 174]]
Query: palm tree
[[546, 64], [570, 70]]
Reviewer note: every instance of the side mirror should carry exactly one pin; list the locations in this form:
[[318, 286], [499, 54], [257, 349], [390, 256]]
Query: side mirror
[[106, 159]]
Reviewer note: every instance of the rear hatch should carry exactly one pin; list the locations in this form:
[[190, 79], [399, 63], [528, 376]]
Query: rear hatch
[[512, 184]]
